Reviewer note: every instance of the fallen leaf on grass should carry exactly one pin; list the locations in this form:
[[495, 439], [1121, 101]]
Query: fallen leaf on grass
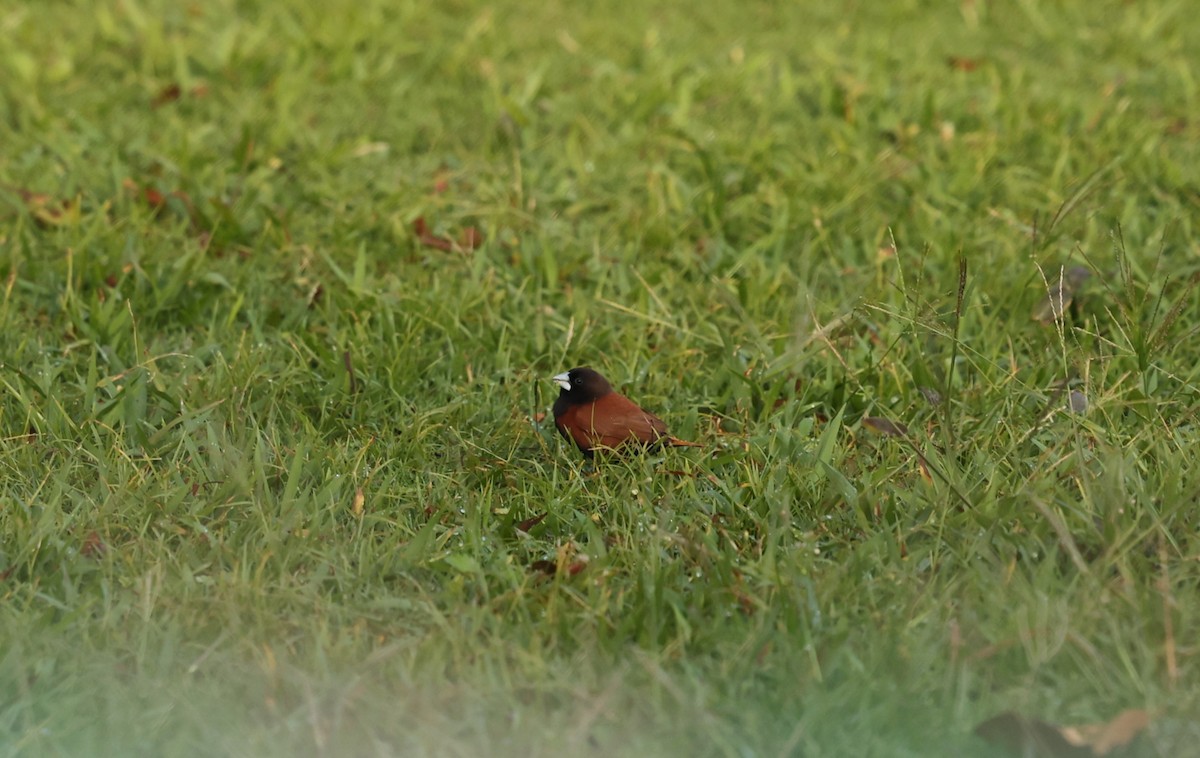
[[428, 238], [924, 469], [154, 198], [745, 604], [441, 181], [160, 202], [47, 211], [1028, 736], [1117, 733], [566, 562], [576, 566], [469, 239], [550, 568], [961, 63], [348, 364], [884, 426], [173, 92], [167, 94], [93, 545], [531, 522], [356, 506], [797, 389]]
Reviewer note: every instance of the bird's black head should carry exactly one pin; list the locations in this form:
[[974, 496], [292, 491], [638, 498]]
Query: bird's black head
[[582, 385]]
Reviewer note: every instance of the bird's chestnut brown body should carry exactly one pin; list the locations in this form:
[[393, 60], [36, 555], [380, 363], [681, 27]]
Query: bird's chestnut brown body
[[594, 416]]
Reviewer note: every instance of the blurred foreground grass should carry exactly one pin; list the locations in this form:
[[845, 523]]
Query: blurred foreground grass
[[271, 463]]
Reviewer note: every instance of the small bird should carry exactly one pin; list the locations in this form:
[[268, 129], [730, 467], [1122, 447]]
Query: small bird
[[595, 417]]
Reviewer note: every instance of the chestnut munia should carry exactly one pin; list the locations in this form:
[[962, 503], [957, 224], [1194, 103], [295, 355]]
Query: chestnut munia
[[595, 417]]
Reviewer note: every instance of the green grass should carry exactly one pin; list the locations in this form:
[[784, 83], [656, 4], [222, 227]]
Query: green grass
[[217, 328]]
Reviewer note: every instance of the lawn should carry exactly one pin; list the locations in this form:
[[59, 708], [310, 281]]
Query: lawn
[[282, 285]]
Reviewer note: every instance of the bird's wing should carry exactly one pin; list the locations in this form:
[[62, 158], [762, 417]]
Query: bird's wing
[[615, 419]]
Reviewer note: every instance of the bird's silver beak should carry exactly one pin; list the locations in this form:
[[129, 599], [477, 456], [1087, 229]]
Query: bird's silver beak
[[564, 381]]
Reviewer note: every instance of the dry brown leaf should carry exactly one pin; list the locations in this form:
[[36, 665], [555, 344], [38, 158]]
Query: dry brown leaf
[[885, 426], [567, 561], [315, 295], [924, 469], [158, 201], [93, 545], [45, 210], [441, 181], [469, 239], [1028, 736], [550, 568], [576, 566], [961, 63], [428, 238], [1117, 733], [174, 91], [167, 94], [154, 198], [745, 603], [531, 522]]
